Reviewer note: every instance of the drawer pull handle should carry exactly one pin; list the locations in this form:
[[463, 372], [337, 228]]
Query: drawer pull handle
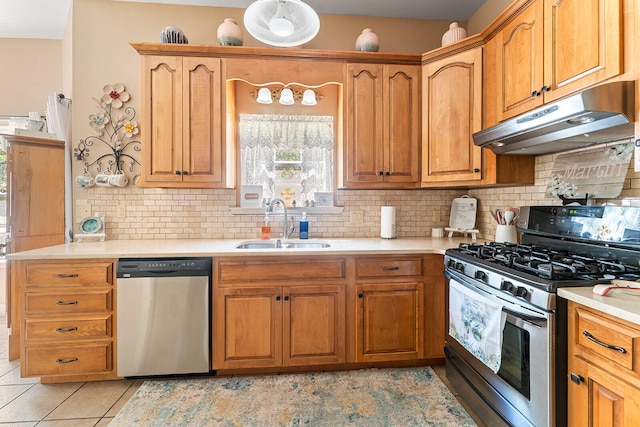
[[61, 330], [390, 268], [62, 361], [66, 302], [604, 344], [66, 276]]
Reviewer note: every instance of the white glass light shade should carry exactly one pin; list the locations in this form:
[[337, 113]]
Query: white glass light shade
[[309, 98], [286, 97], [264, 96], [281, 22]]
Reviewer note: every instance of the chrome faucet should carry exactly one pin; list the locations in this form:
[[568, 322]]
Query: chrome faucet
[[286, 231]]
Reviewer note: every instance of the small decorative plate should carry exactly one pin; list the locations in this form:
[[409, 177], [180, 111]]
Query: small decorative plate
[[90, 225]]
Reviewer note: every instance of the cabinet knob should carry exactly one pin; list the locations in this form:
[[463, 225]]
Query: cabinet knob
[[178, 173], [577, 379], [545, 88], [185, 173], [286, 298], [535, 93], [476, 170], [278, 298], [388, 173], [380, 173], [360, 295]]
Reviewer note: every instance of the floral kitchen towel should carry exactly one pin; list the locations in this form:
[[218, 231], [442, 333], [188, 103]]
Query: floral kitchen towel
[[476, 322]]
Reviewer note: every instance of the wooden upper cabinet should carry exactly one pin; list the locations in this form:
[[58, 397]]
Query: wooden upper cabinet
[[554, 48], [452, 112], [583, 43], [183, 122], [382, 126]]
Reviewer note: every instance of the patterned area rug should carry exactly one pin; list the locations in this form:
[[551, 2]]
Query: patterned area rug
[[369, 397]]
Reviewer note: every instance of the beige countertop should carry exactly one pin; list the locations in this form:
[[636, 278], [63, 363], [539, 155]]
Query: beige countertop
[[616, 303], [226, 247]]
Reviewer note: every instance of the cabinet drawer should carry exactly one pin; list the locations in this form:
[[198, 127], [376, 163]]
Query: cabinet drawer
[[96, 327], [243, 269], [388, 267], [71, 360], [617, 342], [68, 302], [90, 274]]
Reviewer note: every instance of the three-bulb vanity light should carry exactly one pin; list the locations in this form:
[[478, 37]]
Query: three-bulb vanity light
[[286, 96]]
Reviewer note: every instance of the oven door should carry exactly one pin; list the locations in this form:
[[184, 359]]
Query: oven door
[[521, 390]]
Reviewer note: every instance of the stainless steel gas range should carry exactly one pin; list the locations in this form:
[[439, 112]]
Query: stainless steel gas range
[[506, 341]]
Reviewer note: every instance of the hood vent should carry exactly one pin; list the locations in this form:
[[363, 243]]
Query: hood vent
[[597, 115]]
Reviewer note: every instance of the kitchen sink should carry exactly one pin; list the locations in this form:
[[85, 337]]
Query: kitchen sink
[[277, 244], [311, 245]]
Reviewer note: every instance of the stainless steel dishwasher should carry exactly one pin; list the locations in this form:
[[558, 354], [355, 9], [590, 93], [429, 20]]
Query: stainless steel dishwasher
[[163, 316]]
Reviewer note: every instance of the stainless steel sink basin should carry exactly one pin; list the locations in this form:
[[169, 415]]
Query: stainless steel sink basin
[[256, 245], [274, 244], [311, 245]]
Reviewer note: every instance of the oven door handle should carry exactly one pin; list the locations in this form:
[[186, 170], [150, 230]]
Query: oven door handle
[[465, 281], [538, 321]]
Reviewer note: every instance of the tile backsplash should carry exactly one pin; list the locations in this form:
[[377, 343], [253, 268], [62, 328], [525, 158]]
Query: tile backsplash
[[152, 213]]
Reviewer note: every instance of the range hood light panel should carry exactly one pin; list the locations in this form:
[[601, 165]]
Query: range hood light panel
[[581, 120]]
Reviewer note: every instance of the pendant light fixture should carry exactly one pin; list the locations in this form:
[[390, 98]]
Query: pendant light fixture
[[281, 23]]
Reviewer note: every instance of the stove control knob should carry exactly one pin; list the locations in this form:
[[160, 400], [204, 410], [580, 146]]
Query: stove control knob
[[481, 275], [508, 286], [456, 265], [522, 292]]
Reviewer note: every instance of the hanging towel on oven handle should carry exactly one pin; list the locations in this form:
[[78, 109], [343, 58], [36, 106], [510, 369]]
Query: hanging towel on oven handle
[[476, 322]]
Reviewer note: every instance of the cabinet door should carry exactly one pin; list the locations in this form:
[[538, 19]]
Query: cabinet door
[[402, 119], [520, 57], [364, 130], [314, 325], [390, 321], [162, 119], [202, 145], [582, 44], [600, 399], [247, 327], [452, 106]]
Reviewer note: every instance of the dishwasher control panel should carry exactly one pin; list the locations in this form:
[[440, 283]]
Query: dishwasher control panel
[[141, 267]]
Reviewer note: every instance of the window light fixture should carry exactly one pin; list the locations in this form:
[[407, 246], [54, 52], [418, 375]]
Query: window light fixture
[[286, 96]]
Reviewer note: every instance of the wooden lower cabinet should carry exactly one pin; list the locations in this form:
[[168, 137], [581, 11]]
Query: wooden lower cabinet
[[283, 312], [288, 312], [604, 373], [67, 319], [389, 321], [279, 326]]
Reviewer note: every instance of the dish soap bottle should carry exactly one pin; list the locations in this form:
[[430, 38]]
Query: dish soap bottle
[[266, 228], [304, 226]]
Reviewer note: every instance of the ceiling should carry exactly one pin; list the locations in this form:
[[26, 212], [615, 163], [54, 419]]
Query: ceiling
[[45, 19]]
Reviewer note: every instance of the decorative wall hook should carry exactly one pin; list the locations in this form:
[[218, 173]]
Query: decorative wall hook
[[115, 130]]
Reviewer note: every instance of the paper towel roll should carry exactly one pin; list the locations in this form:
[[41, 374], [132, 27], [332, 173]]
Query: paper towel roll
[[388, 222]]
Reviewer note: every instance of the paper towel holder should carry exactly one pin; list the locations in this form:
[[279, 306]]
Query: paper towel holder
[[388, 222]]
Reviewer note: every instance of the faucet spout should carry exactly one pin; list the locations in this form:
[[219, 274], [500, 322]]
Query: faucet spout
[[286, 219]]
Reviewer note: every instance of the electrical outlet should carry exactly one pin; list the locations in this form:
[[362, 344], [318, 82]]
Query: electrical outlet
[[85, 211], [122, 211], [357, 217]]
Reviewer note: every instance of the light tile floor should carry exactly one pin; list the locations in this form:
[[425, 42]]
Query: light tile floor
[[24, 402]]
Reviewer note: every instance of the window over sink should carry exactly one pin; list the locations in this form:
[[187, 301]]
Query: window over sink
[[290, 156]]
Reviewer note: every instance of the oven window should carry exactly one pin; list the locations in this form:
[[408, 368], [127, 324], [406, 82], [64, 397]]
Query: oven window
[[515, 368]]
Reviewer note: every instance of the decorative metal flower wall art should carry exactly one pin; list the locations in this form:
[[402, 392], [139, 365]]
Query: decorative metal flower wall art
[[115, 130]]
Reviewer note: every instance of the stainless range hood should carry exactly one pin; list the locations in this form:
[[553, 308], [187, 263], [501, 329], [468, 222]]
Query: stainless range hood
[[597, 115]]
